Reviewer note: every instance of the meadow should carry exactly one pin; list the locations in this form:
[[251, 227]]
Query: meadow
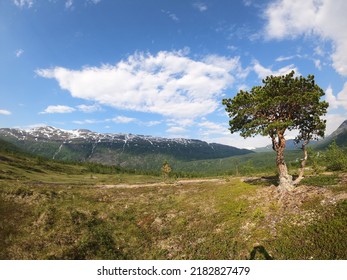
[[52, 210]]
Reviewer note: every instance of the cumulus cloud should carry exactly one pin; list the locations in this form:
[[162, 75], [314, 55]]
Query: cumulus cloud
[[88, 121], [89, 108], [123, 119], [23, 3], [150, 123], [5, 112], [239, 142], [201, 7], [210, 128], [176, 129], [263, 72], [324, 18], [68, 4], [168, 83], [58, 109], [19, 52], [340, 100], [333, 122]]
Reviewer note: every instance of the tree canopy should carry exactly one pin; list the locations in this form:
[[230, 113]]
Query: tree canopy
[[282, 103]]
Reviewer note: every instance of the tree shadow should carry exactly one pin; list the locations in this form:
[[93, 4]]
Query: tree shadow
[[262, 181], [260, 250]]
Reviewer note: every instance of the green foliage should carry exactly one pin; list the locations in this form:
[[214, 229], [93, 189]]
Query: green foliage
[[315, 160], [283, 102], [335, 158], [166, 169]]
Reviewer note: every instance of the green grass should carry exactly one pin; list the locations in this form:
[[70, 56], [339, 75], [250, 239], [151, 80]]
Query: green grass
[[321, 180], [51, 210], [155, 222], [323, 239]]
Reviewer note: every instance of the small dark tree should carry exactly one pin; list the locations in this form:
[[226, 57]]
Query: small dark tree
[[282, 103]]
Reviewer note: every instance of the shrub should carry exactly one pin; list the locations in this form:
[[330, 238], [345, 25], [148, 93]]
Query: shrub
[[335, 158]]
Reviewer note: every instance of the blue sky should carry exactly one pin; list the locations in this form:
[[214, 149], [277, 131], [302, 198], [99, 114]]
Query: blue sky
[[161, 67]]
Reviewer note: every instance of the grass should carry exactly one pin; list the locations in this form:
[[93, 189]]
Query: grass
[[321, 180], [50, 210], [158, 222], [323, 239]]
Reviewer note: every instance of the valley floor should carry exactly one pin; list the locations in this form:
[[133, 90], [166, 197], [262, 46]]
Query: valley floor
[[139, 217]]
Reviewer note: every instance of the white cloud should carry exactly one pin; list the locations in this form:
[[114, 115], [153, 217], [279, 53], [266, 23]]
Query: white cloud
[[89, 108], [123, 119], [284, 58], [232, 48], [88, 122], [236, 141], [330, 98], [176, 129], [23, 3], [247, 3], [340, 100], [171, 15], [209, 128], [319, 51], [68, 4], [263, 72], [60, 109], [5, 112], [323, 18], [168, 83], [180, 122], [202, 7], [334, 121], [19, 52], [150, 123], [318, 64]]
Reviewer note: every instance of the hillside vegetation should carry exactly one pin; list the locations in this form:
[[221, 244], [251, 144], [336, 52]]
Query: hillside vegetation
[[52, 210]]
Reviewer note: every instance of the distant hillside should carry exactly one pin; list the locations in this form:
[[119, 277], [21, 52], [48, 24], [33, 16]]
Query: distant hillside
[[126, 150], [291, 145], [339, 135]]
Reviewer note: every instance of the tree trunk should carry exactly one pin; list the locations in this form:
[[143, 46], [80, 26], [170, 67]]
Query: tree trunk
[[303, 164], [285, 180]]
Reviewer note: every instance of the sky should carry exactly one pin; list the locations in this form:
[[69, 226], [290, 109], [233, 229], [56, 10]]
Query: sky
[[162, 67]]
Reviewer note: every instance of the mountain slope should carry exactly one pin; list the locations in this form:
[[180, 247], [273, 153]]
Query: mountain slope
[[115, 149], [291, 145], [339, 135]]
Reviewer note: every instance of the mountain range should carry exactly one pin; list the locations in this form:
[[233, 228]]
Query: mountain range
[[112, 149], [130, 150]]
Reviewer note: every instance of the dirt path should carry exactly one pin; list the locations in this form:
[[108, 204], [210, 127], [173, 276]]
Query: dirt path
[[162, 184]]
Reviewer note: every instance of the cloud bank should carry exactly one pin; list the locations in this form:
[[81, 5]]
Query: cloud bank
[[168, 83], [323, 18]]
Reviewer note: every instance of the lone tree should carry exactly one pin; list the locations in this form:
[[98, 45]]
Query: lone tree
[[282, 103], [166, 169]]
